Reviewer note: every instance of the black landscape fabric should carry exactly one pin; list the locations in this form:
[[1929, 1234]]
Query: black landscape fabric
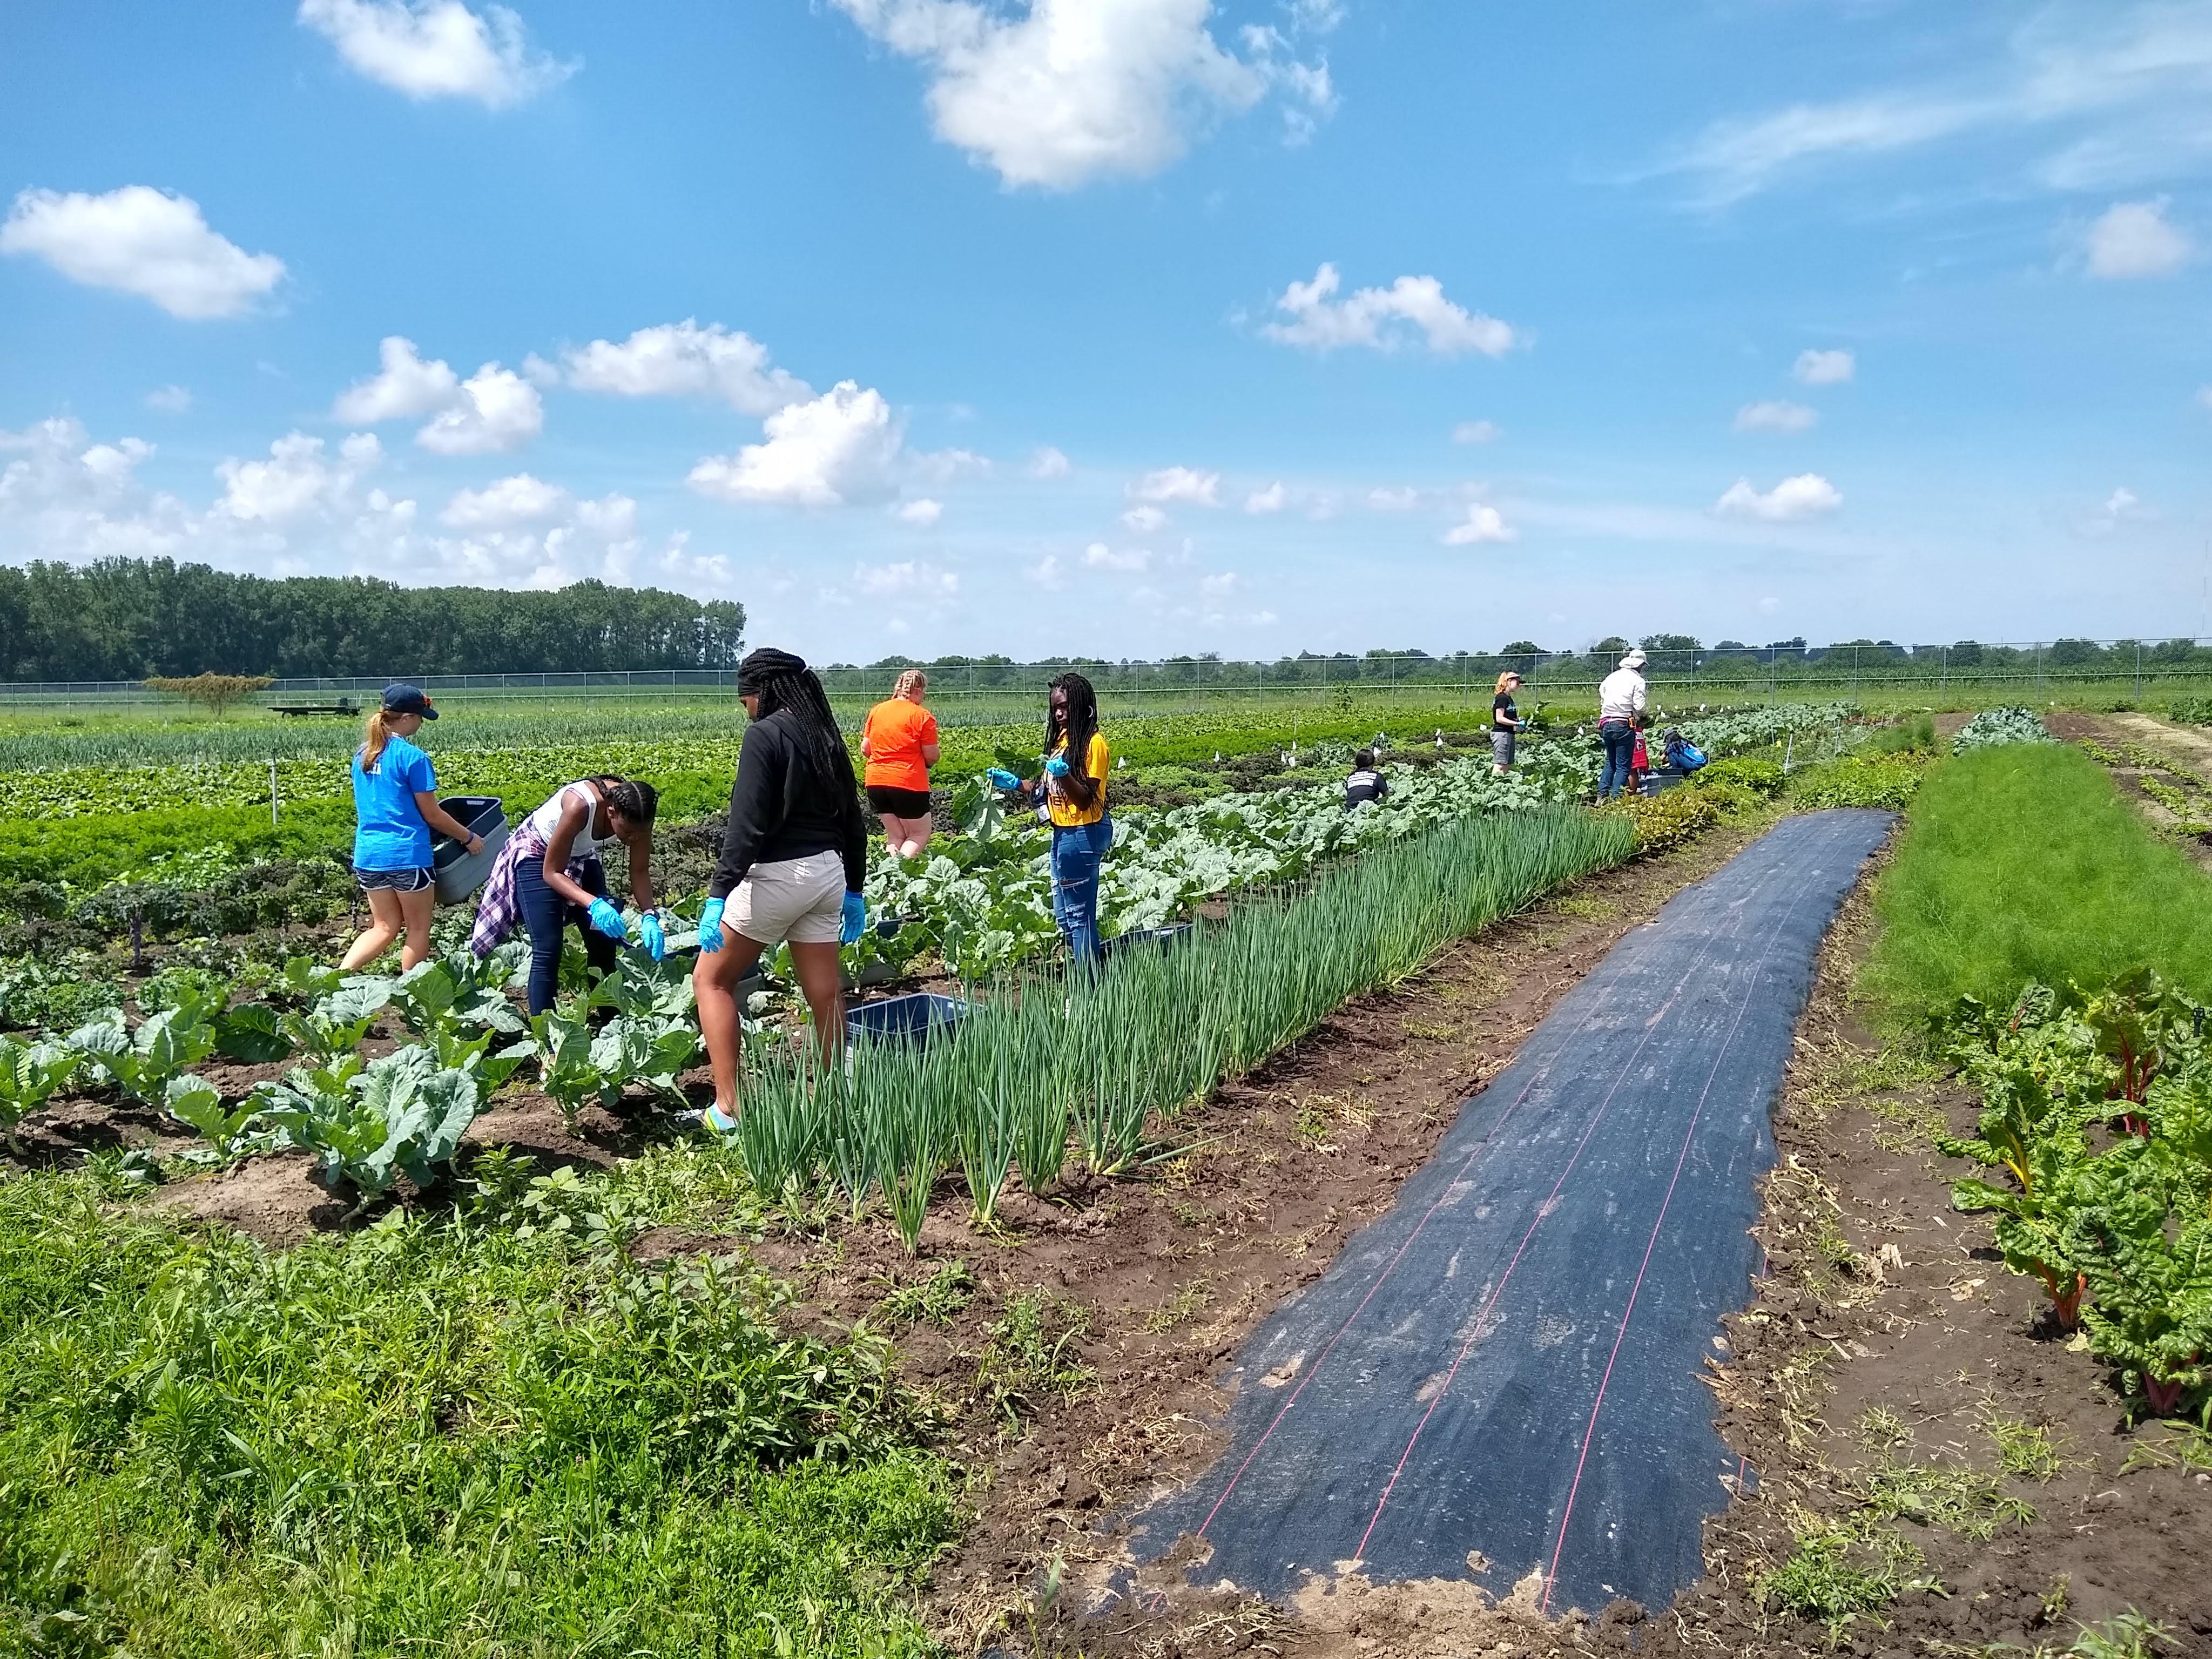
[[1502, 1377]]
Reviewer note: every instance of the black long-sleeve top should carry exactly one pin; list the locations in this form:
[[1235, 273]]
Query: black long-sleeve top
[[780, 808]]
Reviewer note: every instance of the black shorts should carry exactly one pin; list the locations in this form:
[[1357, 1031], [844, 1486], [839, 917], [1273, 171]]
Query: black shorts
[[899, 803], [398, 881]]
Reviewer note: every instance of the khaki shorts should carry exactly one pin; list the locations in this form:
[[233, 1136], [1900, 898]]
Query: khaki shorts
[[802, 900]]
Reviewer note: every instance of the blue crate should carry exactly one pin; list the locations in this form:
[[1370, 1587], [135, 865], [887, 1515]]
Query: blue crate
[[915, 1018]]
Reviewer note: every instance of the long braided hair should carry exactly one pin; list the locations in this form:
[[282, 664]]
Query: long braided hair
[[1082, 720], [814, 732]]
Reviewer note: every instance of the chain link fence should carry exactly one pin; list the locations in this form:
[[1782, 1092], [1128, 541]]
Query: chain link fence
[[965, 689]]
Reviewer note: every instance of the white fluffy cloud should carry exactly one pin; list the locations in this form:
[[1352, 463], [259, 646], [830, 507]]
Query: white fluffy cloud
[[1178, 484], [437, 48], [141, 240], [1776, 415], [169, 400], [305, 508], [1219, 587], [1099, 556], [2134, 239], [1383, 318], [922, 512], [1047, 463], [403, 389], [842, 447], [2121, 506], [1825, 368], [493, 410], [1274, 499], [506, 503], [1145, 519], [907, 579], [497, 410], [1484, 524], [1807, 496], [683, 360], [1399, 499], [1477, 432], [297, 478], [1072, 90]]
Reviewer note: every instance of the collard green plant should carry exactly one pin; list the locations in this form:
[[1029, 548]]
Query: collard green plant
[[460, 992], [140, 1062], [401, 1114], [197, 1104], [31, 1073]]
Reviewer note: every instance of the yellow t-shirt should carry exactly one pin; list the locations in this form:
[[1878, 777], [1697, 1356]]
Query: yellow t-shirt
[[1066, 814]]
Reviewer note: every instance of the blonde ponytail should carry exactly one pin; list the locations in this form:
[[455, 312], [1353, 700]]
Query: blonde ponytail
[[375, 736], [912, 684]]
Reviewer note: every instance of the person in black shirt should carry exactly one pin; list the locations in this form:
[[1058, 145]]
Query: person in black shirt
[[1505, 723], [794, 858], [1366, 782]]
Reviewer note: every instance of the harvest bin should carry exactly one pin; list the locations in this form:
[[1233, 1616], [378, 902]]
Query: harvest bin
[[914, 1017], [459, 872]]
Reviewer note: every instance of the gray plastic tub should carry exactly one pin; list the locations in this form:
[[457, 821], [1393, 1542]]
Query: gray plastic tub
[[460, 872], [915, 1018]]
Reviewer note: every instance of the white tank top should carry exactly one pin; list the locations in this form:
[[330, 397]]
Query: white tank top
[[547, 818]]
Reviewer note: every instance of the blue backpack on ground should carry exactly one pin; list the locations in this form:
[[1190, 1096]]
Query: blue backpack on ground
[[1682, 755]]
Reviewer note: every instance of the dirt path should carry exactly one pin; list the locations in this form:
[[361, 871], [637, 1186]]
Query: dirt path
[[1504, 1368], [1893, 1385]]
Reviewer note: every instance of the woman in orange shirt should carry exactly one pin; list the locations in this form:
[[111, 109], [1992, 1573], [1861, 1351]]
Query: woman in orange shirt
[[899, 743]]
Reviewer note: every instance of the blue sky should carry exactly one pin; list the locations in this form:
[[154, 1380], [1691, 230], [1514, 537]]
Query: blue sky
[[1132, 326]]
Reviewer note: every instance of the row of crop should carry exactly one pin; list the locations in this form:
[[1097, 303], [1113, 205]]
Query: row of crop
[[1110, 1058], [367, 1121], [1000, 1089], [2097, 1112], [983, 903]]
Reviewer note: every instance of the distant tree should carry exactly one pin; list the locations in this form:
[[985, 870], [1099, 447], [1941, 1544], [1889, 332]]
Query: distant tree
[[1669, 642], [2072, 653], [1521, 648], [216, 693], [134, 619]]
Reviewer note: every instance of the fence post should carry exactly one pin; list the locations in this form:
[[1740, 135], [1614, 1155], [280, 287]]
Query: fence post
[[2138, 671]]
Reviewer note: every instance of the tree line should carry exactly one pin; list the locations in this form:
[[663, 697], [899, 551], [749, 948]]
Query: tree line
[[133, 619]]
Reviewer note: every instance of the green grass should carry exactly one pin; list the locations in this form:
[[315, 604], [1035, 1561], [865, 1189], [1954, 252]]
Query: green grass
[[436, 1438], [2022, 863]]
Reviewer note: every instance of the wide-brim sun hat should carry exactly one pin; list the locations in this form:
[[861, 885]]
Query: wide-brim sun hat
[[1633, 659], [405, 699]]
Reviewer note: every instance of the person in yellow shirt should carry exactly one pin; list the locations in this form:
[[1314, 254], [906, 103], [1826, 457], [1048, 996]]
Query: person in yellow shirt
[[1074, 785]]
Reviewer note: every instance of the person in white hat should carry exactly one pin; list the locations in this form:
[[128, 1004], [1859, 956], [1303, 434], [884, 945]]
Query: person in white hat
[[1620, 703]]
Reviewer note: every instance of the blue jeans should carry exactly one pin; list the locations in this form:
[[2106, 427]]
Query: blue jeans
[[1075, 855], [546, 915], [1619, 739]]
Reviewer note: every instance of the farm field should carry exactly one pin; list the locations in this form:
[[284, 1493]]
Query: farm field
[[854, 1380]]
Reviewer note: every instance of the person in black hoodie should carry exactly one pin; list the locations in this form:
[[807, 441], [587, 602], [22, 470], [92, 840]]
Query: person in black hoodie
[[794, 858]]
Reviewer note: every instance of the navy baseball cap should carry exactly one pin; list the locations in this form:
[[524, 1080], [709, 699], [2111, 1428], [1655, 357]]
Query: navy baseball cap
[[408, 700]]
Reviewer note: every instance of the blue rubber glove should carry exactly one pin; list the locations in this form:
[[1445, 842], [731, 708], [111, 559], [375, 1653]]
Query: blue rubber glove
[[855, 919], [710, 926], [1002, 779], [1057, 767], [608, 920], [649, 933]]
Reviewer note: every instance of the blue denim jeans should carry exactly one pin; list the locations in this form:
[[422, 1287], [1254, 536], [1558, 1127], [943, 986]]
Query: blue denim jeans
[[1075, 855], [1619, 739], [546, 916]]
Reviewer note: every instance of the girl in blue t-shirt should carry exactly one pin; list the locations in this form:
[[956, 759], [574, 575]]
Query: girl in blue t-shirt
[[395, 800]]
